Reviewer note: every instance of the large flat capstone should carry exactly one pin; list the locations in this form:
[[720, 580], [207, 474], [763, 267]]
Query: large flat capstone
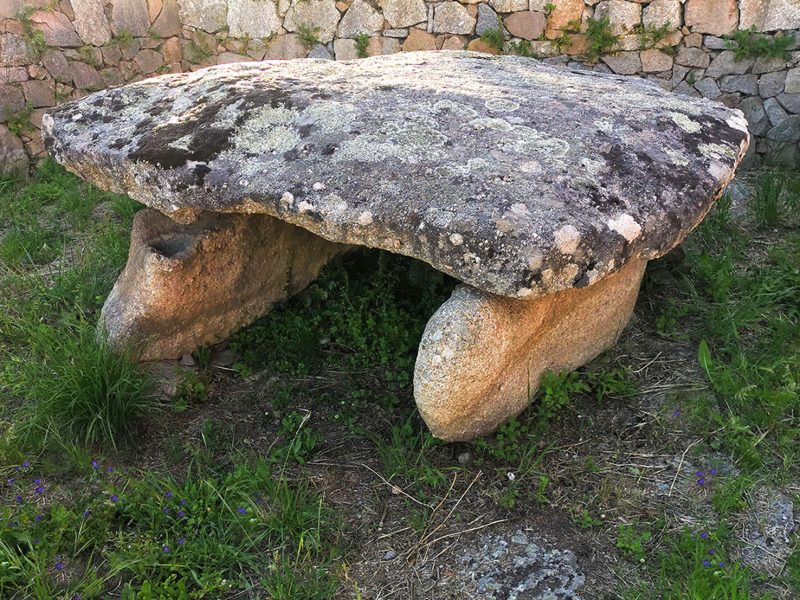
[[517, 178]]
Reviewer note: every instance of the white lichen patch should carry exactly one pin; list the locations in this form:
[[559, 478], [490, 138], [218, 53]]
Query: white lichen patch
[[268, 129], [716, 151], [567, 239], [535, 259], [532, 141], [492, 123], [424, 137], [304, 206], [677, 157], [626, 226], [277, 139], [501, 105], [455, 108], [328, 116], [685, 123], [287, 200], [182, 143], [456, 239], [604, 124], [592, 166], [367, 148], [335, 204], [365, 218]]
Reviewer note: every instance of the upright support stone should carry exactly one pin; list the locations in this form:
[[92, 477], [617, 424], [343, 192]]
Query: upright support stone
[[481, 356], [186, 286]]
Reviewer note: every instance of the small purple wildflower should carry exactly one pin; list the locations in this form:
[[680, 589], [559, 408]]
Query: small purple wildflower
[[26, 464], [95, 466], [76, 597], [165, 510], [712, 552], [241, 510], [713, 472], [704, 536], [59, 564], [114, 498], [721, 564], [109, 469], [181, 541], [37, 481], [39, 489], [701, 481], [86, 513], [10, 480], [38, 518], [181, 514], [166, 549], [699, 473], [18, 498], [706, 563], [184, 502], [168, 494], [676, 413]]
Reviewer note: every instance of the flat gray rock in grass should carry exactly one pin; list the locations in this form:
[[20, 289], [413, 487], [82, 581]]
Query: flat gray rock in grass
[[515, 177]]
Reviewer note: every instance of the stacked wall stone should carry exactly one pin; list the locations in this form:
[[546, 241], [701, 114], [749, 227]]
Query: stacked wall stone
[[52, 51]]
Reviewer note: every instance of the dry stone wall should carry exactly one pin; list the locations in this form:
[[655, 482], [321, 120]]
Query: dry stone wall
[[55, 50]]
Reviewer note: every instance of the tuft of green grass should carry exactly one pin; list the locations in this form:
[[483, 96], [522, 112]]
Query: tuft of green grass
[[747, 43], [59, 258], [651, 35], [73, 384], [493, 37], [737, 301], [309, 36], [19, 121], [602, 39], [362, 42], [769, 198], [149, 536]]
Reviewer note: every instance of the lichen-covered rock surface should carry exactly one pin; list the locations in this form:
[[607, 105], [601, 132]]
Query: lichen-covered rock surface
[[518, 178]]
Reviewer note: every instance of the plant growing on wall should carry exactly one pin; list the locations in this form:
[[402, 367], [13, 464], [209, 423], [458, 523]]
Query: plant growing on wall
[[493, 37], [19, 121], [749, 44], [308, 35], [362, 42], [34, 38], [601, 38], [651, 35]]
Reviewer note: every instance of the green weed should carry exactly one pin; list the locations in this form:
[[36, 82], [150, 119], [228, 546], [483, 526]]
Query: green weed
[[747, 43], [770, 201], [362, 43], [309, 36], [246, 530], [601, 38], [493, 37]]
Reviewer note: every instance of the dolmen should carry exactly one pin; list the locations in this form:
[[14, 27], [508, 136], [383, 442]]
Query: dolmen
[[544, 190]]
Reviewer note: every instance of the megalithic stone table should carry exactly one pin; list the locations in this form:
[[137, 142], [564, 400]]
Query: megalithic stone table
[[544, 190]]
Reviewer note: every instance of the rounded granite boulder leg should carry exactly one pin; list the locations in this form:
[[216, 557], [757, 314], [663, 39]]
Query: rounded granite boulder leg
[[188, 285], [482, 355]]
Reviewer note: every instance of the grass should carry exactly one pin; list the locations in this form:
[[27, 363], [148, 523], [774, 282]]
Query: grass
[[362, 43], [744, 317], [601, 38], [747, 43], [197, 507], [493, 37], [162, 537]]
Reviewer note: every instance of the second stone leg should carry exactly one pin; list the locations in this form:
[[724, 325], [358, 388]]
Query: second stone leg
[[481, 356]]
